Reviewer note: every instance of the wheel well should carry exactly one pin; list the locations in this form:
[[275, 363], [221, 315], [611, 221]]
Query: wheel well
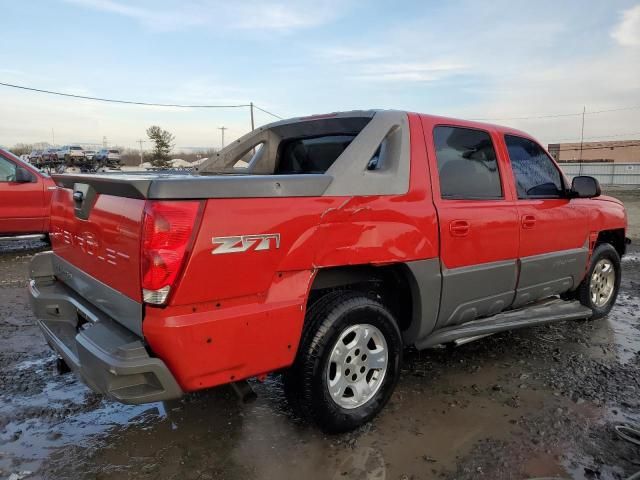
[[613, 237], [390, 284]]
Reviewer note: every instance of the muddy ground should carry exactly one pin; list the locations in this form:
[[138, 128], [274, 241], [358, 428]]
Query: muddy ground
[[538, 402]]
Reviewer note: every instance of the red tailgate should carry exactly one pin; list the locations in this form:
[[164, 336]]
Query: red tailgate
[[106, 245]]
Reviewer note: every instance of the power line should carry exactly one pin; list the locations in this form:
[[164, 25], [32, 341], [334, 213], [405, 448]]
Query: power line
[[265, 111], [111, 100], [558, 115], [131, 102], [576, 140]]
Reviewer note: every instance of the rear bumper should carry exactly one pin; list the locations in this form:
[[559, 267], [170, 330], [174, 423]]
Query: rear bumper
[[109, 358]]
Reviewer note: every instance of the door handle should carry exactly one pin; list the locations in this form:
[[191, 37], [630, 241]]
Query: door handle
[[528, 221], [459, 228]]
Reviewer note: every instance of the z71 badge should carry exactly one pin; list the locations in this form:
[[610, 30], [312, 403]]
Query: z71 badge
[[243, 243]]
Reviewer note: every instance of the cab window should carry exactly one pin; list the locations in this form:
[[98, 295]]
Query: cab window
[[467, 164], [310, 155], [535, 174], [7, 170]]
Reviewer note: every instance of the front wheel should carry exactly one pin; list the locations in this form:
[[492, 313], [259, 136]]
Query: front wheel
[[348, 361], [599, 289]]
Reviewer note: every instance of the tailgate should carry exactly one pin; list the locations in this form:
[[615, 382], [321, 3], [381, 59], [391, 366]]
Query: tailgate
[[99, 235]]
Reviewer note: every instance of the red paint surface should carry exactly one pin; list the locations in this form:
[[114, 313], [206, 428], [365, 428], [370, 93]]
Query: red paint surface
[[24, 207], [106, 245]]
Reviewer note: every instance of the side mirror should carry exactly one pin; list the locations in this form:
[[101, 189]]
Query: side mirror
[[23, 175], [584, 186]]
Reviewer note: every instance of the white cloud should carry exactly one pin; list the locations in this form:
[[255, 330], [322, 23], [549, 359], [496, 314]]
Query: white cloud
[[352, 54], [408, 71], [259, 15], [152, 17], [386, 64], [279, 16], [627, 32], [541, 58]]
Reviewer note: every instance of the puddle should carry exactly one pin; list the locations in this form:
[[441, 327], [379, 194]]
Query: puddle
[[631, 257], [624, 322], [536, 402]]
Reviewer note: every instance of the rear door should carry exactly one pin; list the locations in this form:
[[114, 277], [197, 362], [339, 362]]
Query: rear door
[[21, 204], [554, 231], [477, 220]]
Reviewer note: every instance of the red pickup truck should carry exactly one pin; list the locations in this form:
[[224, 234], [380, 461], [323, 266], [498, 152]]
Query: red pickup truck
[[321, 246], [25, 198]]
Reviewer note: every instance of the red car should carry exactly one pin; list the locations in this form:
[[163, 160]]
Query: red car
[[25, 197], [338, 240]]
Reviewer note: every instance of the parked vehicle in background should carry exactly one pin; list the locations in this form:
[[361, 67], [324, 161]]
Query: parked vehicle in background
[[35, 157], [108, 158], [25, 197], [49, 158], [89, 154], [340, 240], [74, 157], [71, 154]]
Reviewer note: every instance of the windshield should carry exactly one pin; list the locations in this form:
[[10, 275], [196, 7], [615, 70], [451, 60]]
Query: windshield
[[114, 151], [76, 148]]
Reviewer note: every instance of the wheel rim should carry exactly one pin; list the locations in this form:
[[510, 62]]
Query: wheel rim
[[357, 365], [602, 283]]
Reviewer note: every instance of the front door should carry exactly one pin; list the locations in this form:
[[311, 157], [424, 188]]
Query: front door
[[21, 204], [554, 231], [478, 223]]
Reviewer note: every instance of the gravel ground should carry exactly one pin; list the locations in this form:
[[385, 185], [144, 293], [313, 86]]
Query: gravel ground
[[538, 402]]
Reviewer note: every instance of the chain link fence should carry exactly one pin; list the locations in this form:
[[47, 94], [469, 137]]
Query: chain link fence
[[606, 173]]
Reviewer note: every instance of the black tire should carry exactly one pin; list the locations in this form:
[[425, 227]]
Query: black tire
[[306, 384], [583, 293]]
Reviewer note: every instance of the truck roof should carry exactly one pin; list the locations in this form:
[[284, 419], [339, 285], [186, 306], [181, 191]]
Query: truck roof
[[373, 132], [370, 113]]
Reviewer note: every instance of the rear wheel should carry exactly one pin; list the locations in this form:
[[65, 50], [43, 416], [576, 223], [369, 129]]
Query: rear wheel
[[348, 361], [599, 289]]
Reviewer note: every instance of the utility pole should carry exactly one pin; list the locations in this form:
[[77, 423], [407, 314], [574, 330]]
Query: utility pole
[[222, 129], [53, 138], [584, 110], [141, 156], [104, 142], [252, 125]]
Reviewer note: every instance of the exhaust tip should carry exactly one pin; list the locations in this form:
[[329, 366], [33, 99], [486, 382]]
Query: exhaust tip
[[243, 390], [61, 366]]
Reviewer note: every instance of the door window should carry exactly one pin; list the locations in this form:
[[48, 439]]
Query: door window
[[467, 164], [7, 170], [535, 174]]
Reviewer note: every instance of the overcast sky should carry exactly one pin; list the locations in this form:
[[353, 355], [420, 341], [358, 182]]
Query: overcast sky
[[470, 59]]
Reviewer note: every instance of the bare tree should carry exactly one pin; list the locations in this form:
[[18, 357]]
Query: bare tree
[[22, 149]]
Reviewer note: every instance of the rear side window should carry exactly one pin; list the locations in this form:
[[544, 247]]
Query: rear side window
[[311, 155], [536, 176], [467, 164]]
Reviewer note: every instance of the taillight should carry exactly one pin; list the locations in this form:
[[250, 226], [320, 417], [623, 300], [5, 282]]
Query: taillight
[[167, 228]]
